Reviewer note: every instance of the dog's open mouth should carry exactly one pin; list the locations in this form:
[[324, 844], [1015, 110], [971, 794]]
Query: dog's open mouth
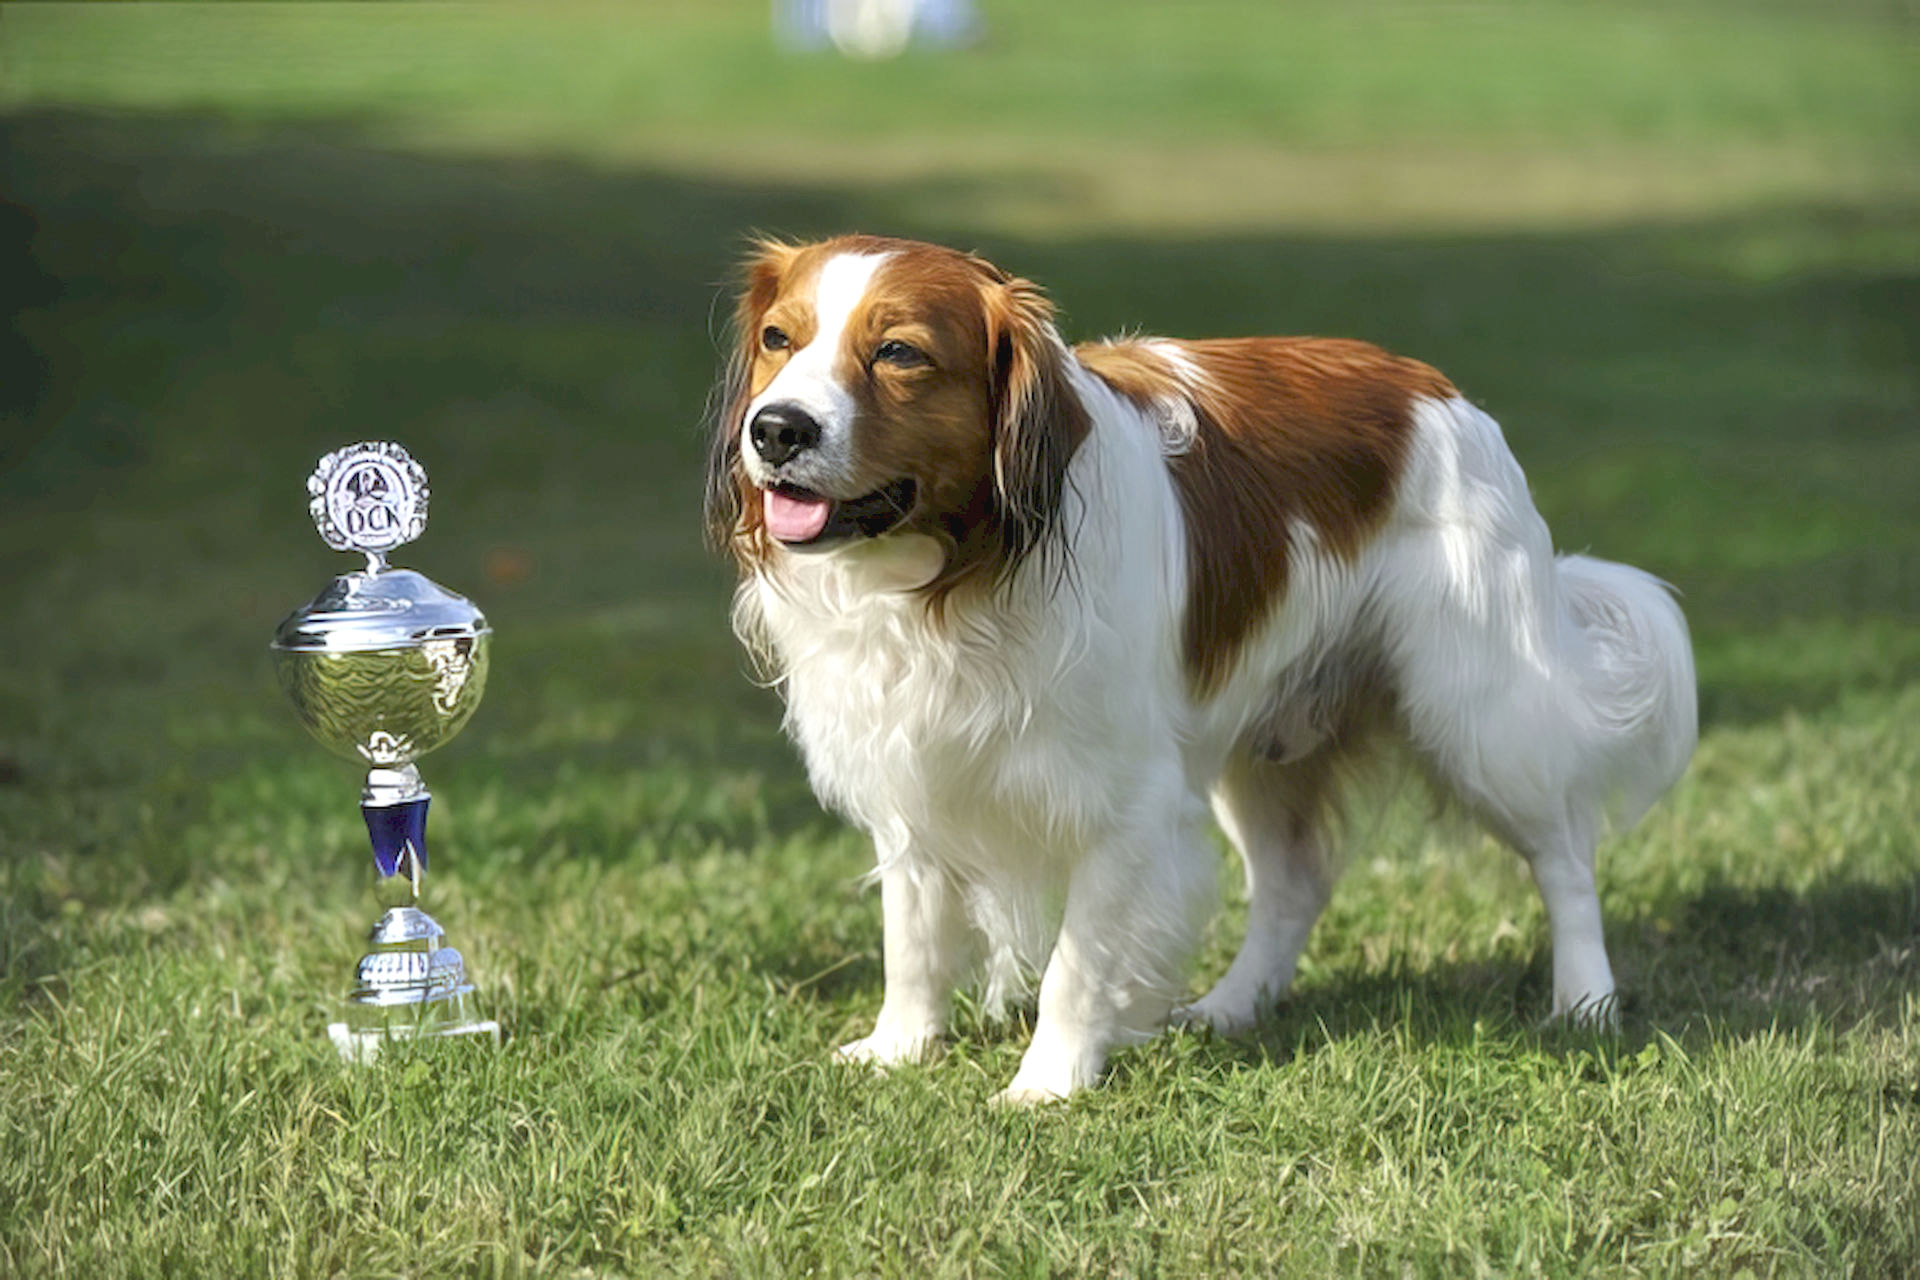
[[799, 517]]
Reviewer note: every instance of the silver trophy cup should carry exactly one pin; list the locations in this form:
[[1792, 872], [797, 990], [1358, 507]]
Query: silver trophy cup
[[383, 666]]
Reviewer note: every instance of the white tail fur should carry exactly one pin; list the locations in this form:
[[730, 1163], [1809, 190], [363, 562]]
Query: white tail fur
[[1638, 678]]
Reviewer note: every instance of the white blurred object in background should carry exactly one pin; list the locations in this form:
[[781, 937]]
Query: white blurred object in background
[[874, 28]]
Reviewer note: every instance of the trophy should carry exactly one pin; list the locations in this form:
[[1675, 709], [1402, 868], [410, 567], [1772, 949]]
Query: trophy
[[383, 666]]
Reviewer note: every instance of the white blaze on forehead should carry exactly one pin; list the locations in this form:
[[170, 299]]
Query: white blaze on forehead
[[807, 380], [843, 282]]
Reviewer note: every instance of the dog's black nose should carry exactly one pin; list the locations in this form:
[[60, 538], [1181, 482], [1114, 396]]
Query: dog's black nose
[[780, 431]]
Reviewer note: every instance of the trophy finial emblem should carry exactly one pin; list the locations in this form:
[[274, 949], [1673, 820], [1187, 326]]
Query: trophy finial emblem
[[369, 497]]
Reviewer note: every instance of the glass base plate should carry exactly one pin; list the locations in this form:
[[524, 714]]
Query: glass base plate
[[362, 1048]]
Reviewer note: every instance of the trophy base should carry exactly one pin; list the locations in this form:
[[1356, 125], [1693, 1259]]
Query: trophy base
[[362, 1048], [412, 985]]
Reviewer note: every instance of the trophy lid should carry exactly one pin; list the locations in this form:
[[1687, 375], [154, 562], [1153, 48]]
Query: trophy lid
[[392, 609]]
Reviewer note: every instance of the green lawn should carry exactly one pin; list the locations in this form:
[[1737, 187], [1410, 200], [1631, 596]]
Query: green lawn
[[1675, 249]]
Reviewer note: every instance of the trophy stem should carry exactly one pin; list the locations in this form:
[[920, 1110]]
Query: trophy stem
[[394, 803]]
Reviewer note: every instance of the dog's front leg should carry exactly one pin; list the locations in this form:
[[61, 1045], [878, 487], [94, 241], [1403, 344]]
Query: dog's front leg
[[1131, 919], [925, 951]]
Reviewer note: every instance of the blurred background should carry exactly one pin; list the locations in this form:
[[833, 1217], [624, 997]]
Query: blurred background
[[1672, 247]]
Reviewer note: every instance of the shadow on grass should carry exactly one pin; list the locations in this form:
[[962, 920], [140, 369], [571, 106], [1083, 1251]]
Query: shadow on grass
[[1726, 963]]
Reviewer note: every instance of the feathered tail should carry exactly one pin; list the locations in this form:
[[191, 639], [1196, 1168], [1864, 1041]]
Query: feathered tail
[[1638, 679]]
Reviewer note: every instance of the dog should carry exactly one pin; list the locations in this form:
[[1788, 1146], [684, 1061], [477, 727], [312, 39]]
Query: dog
[[1035, 609]]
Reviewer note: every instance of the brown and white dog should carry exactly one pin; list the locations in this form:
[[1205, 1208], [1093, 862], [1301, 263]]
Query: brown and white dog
[[1035, 608]]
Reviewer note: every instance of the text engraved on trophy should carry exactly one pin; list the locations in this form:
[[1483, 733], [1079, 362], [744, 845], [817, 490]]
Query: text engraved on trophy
[[369, 504]]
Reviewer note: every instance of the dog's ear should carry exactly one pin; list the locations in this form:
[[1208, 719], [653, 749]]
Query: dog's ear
[[1038, 420], [733, 518]]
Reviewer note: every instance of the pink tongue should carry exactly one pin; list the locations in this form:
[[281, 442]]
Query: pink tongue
[[792, 519]]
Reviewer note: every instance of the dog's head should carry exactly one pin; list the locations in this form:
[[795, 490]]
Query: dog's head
[[881, 388]]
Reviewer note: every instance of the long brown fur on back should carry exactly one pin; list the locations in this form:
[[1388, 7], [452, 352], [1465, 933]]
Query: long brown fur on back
[[1282, 430]]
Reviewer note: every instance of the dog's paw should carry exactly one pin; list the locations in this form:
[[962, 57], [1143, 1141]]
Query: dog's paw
[[1018, 1097], [890, 1047], [1587, 1013], [1223, 1017], [1052, 1070]]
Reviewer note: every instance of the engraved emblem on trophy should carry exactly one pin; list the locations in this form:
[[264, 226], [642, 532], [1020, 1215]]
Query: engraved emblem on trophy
[[383, 666]]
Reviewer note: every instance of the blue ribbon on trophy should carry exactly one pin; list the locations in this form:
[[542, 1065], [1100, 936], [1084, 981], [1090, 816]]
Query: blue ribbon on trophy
[[399, 835]]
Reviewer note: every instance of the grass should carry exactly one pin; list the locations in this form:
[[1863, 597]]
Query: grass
[[1675, 253]]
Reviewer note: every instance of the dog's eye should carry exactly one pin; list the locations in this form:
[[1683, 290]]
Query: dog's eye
[[901, 355], [774, 338]]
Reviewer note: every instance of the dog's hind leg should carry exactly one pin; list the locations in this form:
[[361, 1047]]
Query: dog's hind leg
[[1505, 745], [1273, 814], [1543, 693], [1562, 861]]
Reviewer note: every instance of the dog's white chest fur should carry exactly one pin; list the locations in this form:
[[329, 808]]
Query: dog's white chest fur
[[969, 744]]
